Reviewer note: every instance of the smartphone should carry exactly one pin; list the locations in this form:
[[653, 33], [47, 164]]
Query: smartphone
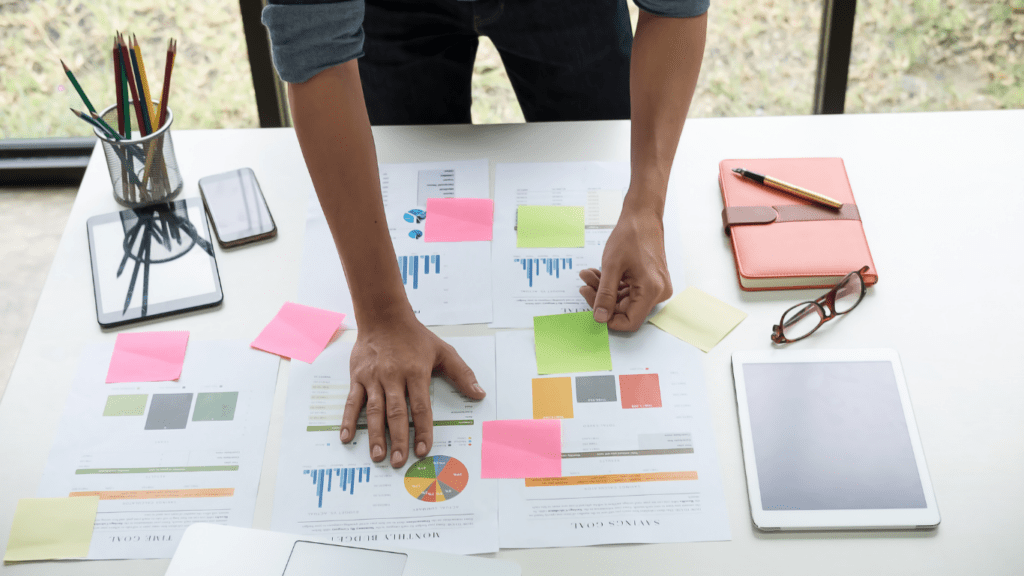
[[237, 209]]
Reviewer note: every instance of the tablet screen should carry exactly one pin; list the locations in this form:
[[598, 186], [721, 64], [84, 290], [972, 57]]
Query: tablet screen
[[830, 436]]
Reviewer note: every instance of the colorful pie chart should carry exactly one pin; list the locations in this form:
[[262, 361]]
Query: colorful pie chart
[[436, 479]]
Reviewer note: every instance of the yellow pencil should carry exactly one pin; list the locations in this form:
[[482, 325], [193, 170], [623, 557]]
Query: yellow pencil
[[145, 84]]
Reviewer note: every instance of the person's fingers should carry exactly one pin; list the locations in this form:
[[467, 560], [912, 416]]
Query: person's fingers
[[375, 421], [398, 422], [633, 311], [422, 416], [455, 369], [353, 405], [591, 277], [607, 294], [589, 293]]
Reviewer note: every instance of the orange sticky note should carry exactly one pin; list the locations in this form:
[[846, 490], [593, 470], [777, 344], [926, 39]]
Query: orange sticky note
[[147, 356]]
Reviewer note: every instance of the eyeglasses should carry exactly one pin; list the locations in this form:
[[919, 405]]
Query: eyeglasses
[[802, 320]]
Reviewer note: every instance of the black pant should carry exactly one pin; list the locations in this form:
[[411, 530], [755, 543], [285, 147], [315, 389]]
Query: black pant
[[567, 59]]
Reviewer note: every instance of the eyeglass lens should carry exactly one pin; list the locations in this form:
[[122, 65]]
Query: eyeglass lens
[[848, 293], [801, 320]]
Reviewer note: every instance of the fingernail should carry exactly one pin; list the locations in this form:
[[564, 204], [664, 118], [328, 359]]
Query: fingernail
[[396, 457], [345, 435], [476, 388], [421, 448], [377, 452], [601, 315]]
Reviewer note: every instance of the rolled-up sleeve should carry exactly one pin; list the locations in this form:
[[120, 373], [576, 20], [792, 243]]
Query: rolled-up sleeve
[[674, 8], [310, 38]]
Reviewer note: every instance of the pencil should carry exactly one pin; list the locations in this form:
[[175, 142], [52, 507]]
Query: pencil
[[78, 87], [138, 83], [126, 101], [117, 89], [127, 62], [106, 126], [145, 85], [172, 51], [102, 127]]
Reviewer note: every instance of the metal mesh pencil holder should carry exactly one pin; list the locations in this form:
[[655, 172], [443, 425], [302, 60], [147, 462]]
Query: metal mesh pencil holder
[[143, 170]]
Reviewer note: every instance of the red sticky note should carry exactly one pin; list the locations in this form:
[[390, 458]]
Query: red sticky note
[[521, 449], [458, 219], [147, 356], [300, 332], [640, 391]]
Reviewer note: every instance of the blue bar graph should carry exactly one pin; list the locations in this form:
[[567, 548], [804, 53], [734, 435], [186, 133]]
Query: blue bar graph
[[346, 480], [552, 266], [410, 266]]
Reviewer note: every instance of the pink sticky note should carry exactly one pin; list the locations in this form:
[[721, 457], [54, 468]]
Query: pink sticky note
[[147, 356], [458, 219], [299, 332], [521, 449]]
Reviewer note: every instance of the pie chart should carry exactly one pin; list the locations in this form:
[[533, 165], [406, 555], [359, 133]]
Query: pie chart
[[436, 479]]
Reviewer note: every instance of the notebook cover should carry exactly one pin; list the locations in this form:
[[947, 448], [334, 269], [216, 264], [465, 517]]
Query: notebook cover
[[796, 254]]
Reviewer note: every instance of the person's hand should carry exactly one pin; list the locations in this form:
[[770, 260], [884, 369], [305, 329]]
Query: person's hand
[[388, 361], [634, 272]]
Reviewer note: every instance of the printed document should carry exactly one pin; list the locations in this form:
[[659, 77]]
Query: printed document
[[639, 463], [447, 282], [332, 490], [164, 455], [532, 282]]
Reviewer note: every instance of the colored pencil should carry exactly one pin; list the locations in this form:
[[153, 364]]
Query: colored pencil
[[108, 127], [148, 96], [126, 60], [172, 51], [138, 84], [96, 123], [78, 87], [126, 100], [117, 89]]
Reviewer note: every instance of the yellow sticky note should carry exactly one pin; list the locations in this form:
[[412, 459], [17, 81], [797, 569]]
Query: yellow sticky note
[[698, 318], [52, 528], [550, 227]]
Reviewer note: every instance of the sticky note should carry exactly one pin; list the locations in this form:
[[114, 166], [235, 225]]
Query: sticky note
[[521, 449], [458, 220], [147, 356], [549, 227], [299, 332], [698, 318], [571, 343], [52, 528]]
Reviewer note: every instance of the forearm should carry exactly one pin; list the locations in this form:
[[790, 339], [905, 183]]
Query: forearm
[[333, 129], [664, 66]]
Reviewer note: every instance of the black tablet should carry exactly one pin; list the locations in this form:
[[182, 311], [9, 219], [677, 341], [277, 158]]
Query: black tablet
[[152, 262]]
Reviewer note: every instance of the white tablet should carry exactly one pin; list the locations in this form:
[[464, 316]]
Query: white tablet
[[830, 441]]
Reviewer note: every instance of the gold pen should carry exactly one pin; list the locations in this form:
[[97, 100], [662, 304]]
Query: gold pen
[[791, 188]]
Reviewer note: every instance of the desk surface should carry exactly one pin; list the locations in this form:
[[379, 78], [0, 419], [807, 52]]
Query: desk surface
[[941, 196]]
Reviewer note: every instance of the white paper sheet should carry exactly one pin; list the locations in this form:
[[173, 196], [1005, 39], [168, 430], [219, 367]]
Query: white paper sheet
[[194, 454], [447, 282], [629, 474], [532, 282], [332, 490]]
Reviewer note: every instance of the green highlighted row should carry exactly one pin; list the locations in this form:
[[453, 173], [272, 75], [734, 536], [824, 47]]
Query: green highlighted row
[[337, 427], [156, 470]]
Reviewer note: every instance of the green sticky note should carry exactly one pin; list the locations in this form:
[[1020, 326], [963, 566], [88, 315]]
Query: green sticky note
[[698, 318], [550, 227], [213, 406], [52, 528], [571, 343], [125, 405]]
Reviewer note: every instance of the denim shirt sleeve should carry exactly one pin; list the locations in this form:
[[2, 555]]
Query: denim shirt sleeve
[[310, 38], [674, 8]]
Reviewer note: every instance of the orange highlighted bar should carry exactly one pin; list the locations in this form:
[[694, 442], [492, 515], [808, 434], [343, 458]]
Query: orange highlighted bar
[[157, 494], [611, 479]]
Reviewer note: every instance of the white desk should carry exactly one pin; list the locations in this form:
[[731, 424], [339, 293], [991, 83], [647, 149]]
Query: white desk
[[942, 198]]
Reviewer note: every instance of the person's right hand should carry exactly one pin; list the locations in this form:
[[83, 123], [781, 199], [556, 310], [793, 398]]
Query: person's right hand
[[390, 360]]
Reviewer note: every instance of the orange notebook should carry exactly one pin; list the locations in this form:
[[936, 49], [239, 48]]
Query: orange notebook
[[782, 242]]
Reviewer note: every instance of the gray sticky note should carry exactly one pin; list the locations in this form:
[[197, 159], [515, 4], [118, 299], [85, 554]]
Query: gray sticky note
[[169, 411], [595, 389]]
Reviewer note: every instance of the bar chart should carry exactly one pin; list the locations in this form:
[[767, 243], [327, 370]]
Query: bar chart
[[534, 267], [324, 478], [410, 268]]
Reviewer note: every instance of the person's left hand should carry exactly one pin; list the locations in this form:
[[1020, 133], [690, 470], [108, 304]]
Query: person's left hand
[[634, 271]]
